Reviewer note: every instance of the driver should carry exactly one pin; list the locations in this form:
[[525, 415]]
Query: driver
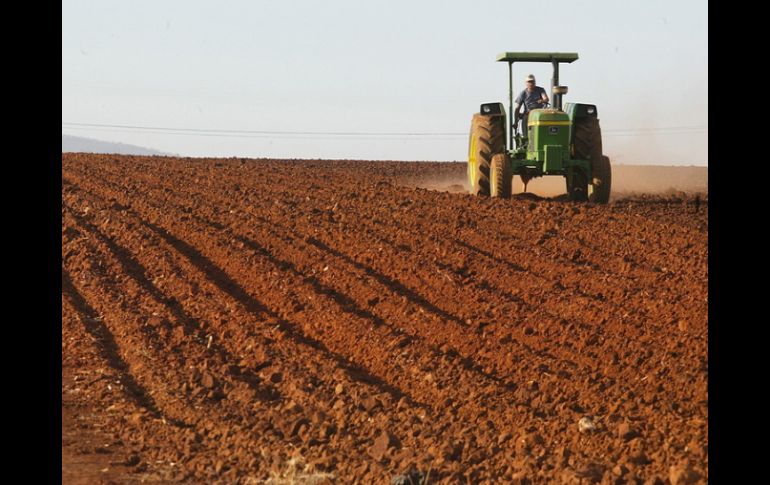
[[533, 97]]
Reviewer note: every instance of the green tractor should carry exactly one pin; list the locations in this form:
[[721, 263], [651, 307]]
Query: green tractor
[[566, 142]]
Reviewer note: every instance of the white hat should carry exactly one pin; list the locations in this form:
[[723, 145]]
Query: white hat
[[531, 77]]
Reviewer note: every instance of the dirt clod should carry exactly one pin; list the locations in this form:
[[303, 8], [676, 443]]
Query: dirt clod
[[626, 432], [207, 380], [381, 444], [682, 474]]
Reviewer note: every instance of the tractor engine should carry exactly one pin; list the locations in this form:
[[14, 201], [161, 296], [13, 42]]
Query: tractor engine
[[548, 135]]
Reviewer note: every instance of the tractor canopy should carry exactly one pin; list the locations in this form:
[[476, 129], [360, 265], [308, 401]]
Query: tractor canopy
[[554, 58], [560, 57]]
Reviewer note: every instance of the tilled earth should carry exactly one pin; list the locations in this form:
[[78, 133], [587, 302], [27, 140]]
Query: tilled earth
[[238, 321]]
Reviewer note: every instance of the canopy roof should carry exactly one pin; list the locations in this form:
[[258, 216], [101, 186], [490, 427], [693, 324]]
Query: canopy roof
[[537, 56]]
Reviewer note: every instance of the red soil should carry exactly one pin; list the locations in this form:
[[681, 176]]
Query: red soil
[[223, 315]]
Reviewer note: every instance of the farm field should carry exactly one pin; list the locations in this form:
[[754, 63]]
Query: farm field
[[240, 321]]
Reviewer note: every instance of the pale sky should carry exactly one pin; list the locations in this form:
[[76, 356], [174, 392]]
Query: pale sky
[[376, 67]]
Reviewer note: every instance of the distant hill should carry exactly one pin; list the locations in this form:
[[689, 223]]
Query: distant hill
[[89, 145]]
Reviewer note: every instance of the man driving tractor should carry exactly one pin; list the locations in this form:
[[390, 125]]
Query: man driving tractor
[[533, 97]]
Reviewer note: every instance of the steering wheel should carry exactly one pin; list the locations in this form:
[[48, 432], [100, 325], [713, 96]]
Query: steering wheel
[[541, 106]]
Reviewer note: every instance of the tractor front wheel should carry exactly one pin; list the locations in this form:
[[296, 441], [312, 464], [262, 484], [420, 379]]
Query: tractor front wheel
[[577, 186], [500, 177], [602, 180]]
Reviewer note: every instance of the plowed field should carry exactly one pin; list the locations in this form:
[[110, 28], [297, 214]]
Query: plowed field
[[223, 316]]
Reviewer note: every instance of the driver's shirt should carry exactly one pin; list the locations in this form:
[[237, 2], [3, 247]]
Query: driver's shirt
[[530, 100]]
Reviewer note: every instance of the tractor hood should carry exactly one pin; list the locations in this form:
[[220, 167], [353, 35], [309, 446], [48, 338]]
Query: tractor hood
[[552, 117]]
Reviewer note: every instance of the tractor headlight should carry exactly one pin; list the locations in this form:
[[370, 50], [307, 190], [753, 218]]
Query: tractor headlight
[[492, 109]]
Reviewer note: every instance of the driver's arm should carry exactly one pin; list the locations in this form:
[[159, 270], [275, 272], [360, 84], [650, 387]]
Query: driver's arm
[[544, 96], [517, 105], [516, 116]]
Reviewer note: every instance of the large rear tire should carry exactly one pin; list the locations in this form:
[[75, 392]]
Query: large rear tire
[[487, 138], [588, 139], [500, 177], [588, 146]]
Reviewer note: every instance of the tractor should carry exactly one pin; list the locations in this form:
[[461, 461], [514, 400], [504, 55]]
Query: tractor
[[556, 141]]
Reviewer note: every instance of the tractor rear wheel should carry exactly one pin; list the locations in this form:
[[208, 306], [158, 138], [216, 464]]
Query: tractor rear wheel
[[500, 177], [487, 138], [602, 180], [588, 139], [588, 146]]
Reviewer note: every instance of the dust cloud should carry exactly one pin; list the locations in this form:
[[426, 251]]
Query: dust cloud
[[626, 180]]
